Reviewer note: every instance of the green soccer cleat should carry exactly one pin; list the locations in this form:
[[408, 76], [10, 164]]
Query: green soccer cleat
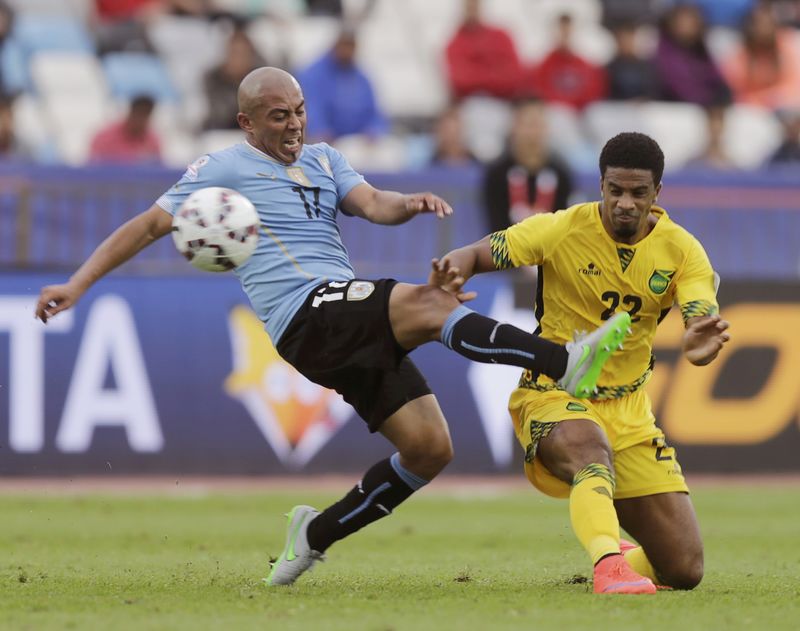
[[297, 556], [588, 353]]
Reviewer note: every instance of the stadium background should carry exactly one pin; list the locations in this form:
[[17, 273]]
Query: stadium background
[[163, 370]]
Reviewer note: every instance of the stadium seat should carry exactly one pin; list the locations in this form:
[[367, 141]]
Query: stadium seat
[[680, 128], [76, 8], [434, 23], [132, 74], [218, 139], [486, 122], [178, 146], [13, 68], [269, 38], [606, 119], [532, 26], [751, 135], [411, 91], [593, 42], [585, 10], [309, 39], [56, 74], [721, 42], [567, 137], [36, 33], [373, 155], [30, 125], [415, 88], [75, 121], [188, 47], [354, 9], [199, 40], [178, 150], [284, 9]]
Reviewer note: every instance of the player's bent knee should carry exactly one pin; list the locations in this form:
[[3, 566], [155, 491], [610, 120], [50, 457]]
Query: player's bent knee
[[429, 451], [438, 451], [572, 446], [688, 575]]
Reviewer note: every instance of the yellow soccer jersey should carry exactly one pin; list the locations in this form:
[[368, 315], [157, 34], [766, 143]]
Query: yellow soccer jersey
[[585, 276]]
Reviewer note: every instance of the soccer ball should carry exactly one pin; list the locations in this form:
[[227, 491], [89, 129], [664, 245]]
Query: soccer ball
[[216, 229]]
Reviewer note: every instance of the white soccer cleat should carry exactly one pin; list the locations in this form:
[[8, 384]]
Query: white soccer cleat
[[297, 556], [589, 352]]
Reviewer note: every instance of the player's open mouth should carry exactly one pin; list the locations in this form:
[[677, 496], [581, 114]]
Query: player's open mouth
[[292, 143]]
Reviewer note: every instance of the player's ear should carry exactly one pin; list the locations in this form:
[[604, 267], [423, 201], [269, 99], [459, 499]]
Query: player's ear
[[244, 122]]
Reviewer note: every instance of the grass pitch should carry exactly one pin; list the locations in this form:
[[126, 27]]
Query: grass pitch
[[445, 560]]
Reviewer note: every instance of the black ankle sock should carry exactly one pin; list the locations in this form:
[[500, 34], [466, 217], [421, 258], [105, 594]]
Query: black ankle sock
[[378, 493], [486, 340]]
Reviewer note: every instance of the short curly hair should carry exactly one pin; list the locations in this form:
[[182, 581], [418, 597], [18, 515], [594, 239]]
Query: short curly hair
[[632, 150]]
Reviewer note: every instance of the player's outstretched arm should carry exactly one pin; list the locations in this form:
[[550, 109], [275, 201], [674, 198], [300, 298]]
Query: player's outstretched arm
[[704, 338], [455, 268], [121, 245], [391, 208]]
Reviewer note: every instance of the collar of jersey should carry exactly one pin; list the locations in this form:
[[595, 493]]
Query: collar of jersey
[[662, 215], [273, 160]]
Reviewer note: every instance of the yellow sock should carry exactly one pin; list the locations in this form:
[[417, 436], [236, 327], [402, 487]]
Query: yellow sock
[[640, 563], [591, 510]]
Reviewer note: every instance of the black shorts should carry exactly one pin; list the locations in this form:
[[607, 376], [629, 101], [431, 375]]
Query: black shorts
[[341, 338]]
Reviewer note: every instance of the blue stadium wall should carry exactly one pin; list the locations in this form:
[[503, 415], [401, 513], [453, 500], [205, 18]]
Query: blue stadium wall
[[163, 370]]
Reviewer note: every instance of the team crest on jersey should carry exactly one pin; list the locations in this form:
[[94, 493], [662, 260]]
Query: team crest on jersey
[[295, 416], [193, 169], [359, 290], [325, 164], [297, 174], [660, 280]]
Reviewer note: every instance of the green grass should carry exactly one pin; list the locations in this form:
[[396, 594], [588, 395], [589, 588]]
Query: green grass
[[443, 561]]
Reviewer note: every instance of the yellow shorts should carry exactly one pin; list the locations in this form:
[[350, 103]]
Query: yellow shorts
[[643, 463]]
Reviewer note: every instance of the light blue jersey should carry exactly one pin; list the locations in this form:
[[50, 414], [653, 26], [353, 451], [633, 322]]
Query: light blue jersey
[[300, 246]]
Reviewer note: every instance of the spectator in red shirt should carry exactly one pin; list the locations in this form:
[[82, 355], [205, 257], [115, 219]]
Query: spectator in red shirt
[[130, 140], [564, 77], [481, 59]]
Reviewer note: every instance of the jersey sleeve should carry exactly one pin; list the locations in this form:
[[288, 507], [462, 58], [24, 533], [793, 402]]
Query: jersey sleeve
[[696, 288], [528, 242], [208, 170], [344, 176]]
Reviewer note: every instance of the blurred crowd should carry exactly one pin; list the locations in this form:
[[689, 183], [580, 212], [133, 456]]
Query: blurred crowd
[[155, 81]]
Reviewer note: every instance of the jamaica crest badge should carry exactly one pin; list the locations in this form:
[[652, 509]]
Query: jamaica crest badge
[[660, 280]]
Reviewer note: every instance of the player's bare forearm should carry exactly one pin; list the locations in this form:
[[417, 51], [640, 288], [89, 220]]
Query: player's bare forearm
[[123, 244], [472, 259], [391, 208], [704, 338], [119, 247]]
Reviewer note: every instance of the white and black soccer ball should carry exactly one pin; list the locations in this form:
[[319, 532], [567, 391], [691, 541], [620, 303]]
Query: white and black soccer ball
[[216, 229]]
